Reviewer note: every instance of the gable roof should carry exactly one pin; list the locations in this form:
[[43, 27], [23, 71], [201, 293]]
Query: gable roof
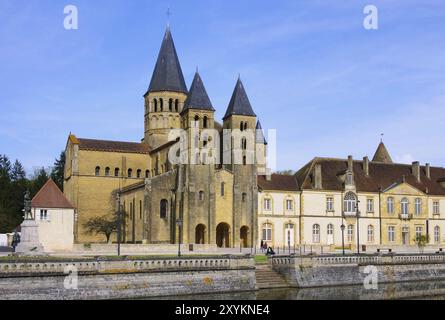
[[239, 103], [198, 97], [278, 182], [50, 196], [113, 146], [381, 176], [167, 75]]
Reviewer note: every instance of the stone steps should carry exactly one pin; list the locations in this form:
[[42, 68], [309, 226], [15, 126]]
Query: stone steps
[[267, 278]]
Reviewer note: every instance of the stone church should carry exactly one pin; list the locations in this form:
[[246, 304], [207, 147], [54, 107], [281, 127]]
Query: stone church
[[205, 200]]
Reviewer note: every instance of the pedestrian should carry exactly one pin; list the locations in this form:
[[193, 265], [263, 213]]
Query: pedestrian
[[262, 246], [15, 240]]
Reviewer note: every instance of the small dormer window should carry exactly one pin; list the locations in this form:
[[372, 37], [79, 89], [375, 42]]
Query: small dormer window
[[349, 179]]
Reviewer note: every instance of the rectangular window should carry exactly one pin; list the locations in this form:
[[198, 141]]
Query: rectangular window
[[44, 215], [267, 204], [436, 207], [330, 204], [370, 205], [419, 231], [418, 206], [289, 205], [391, 233], [390, 205]]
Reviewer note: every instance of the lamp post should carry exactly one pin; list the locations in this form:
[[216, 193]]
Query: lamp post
[[343, 237], [358, 227], [179, 223], [118, 198]]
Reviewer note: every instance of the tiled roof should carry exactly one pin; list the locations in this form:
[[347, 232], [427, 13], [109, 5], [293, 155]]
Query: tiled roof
[[278, 182], [381, 176], [239, 103], [50, 196], [382, 154], [113, 146], [167, 75], [198, 97]]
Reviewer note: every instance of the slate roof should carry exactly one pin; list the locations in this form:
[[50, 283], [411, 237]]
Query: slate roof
[[50, 196], [382, 154], [381, 176], [113, 146], [278, 182], [239, 103], [167, 75], [198, 97], [259, 134]]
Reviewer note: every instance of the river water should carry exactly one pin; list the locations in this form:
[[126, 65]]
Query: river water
[[403, 290]]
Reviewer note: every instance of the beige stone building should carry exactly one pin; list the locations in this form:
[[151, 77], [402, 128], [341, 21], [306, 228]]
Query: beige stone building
[[203, 199], [379, 203]]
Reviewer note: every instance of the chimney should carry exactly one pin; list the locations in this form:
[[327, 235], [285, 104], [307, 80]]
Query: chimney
[[317, 177], [416, 170], [428, 171], [350, 163], [366, 166]]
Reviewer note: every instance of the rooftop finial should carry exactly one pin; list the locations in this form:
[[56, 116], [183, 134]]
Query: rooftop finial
[[381, 137], [169, 14]]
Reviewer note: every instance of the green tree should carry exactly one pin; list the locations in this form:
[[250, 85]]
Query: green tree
[[421, 241], [102, 225], [57, 173], [6, 201], [286, 172]]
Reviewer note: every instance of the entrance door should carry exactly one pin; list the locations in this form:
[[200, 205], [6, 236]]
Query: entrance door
[[222, 235], [289, 231], [200, 234], [405, 236]]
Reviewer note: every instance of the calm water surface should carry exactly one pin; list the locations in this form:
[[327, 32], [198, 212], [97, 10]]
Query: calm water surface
[[405, 290]]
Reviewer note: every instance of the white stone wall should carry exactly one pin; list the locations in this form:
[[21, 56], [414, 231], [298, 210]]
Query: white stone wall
[[56, 233]]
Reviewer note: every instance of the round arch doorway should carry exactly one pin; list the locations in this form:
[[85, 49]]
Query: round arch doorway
[[244, 236], [223, 235], [200, 232]]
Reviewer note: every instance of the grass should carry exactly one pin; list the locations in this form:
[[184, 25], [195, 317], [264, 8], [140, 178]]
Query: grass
[[261, 259]]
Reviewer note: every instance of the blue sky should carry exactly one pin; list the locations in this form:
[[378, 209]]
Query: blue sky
[[311, 71]]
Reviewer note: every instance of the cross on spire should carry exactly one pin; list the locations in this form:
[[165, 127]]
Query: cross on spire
[[381, 135], [169, 14]]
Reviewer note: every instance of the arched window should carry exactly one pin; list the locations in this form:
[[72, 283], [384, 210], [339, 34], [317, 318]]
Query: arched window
[[390, 205], [370, 234], [170, 105], [223, 187], [201, 195], [163, 209], [245, 126], [161, 104], [244, 160], [155, 105], [418, 205], [330, 229], [107, 171], [316, 233], [244, 143], [267, 232], [196, 124], [116, 172], [130, 173], [350, 203], [177, 105], [205, 120], [404, 206], [351, 233], [139, 173], [241, 126], [244, 197], [147, 174], [97, 171], [436, 234]]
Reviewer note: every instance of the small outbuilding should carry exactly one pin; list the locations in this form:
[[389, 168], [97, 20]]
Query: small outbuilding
[[54, 215]]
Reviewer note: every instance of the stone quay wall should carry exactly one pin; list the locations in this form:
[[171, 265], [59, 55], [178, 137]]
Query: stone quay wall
[[323, 271], [121, 279]]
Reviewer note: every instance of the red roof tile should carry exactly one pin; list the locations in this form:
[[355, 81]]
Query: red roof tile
[[50, 196], [278, 182], [113, 146]]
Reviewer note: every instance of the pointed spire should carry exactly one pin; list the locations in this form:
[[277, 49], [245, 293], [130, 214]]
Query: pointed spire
[[382, 154], [167, 75], [259, 134], [239, 103], [198, 97]]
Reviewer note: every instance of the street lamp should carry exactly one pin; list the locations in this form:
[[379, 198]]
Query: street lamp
[[118, 198], [179, 223], [343, 237], [358, 227]]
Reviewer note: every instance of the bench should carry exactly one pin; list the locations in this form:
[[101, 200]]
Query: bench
[[380, 250]]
